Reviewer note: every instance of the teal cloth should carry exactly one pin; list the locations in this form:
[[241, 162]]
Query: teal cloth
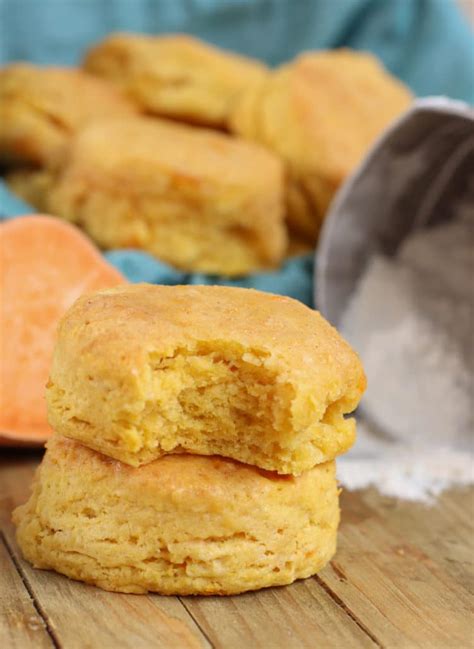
[[11, 205], [294, 278], [427, 43]]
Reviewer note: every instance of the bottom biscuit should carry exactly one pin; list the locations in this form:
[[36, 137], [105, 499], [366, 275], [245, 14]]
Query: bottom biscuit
[[180, 525]]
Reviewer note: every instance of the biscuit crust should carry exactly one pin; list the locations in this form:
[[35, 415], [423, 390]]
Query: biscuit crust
[[180, 525], [42, 107], [175, 76], [321, 113], [141, 371]]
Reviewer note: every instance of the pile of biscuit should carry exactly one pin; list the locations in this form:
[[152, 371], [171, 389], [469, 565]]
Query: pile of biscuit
[[196, 429], [205, 159]]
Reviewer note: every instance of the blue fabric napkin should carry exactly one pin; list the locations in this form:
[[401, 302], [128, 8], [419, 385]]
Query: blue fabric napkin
[[294, 278], [427, 43], [11, 205]]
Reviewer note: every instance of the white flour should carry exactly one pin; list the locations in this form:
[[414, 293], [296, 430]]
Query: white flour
[[412, 322]]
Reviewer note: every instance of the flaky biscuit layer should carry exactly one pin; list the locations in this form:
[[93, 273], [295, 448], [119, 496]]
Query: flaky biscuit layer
[[175, 76], [142, 371], [178, 526]]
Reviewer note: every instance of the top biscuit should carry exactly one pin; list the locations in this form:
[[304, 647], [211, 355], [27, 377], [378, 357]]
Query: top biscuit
[[42, 107], [175, 76], [321, 113], [141, 371]]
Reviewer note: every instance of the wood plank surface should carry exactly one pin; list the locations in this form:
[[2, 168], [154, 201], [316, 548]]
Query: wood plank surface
[[444, 533], [386, 577], [21, 626], [278, 618], [402, 579]]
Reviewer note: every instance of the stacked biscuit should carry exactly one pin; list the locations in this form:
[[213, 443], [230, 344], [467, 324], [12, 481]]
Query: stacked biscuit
[[196, 431], [203, 158]]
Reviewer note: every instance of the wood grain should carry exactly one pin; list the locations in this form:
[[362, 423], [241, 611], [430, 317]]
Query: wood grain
[[83, 616], [278, 618], [21, 627], [444, 533], [385, 576], [402, 579]]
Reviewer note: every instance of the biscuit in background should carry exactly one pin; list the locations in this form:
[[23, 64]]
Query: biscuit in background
[[321, 113], [176, 76], [194, 198], [42, 107], [180, 525], [146, 370]]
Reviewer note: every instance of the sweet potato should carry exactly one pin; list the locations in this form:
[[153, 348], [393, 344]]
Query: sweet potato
[[45, 264]]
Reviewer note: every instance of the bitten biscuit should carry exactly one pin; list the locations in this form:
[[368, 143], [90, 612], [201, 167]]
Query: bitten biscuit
[[180, 525], [175, 76], [42, 107], [145, 370], [194, 198], [321, 113]]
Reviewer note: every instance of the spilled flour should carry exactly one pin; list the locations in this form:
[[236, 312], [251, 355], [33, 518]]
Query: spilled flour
[[412, 322], [415, 472]]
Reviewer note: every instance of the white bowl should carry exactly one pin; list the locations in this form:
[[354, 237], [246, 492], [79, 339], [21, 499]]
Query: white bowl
[[407, 181]]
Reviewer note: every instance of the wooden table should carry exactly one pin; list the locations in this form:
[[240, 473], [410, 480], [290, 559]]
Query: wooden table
[[402, 578]]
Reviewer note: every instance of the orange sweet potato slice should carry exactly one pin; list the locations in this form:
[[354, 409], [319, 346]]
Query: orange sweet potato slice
[[45, 264]]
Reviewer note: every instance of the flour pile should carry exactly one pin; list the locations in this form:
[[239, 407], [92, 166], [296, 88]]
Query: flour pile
[[412, 322]]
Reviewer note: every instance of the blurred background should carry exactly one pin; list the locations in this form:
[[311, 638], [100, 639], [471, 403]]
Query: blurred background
[[424, 42]]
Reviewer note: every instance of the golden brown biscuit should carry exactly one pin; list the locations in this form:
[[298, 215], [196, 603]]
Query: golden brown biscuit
[[145, 370], [41, 107], [180, 525], [197, 199], [176, 76], [321, 113]]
